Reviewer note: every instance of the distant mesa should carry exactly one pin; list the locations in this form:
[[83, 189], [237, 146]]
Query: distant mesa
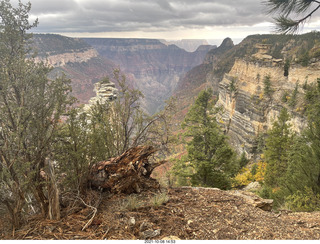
[[190, 45]]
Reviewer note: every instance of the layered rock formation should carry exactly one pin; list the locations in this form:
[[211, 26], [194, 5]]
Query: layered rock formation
[[155, 67], [105, 90], [76, 59], [238, 74], [63, 59], [248, 110]]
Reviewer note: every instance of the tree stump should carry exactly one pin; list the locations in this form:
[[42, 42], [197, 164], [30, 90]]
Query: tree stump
[[127, 173]]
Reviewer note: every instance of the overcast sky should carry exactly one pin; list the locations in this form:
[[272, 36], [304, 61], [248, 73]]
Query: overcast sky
[[165, 19]]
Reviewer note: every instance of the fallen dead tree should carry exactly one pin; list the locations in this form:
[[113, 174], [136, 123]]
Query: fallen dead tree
[[127, 173]]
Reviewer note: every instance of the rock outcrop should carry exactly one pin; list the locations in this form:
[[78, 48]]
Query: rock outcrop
[[105, 90]]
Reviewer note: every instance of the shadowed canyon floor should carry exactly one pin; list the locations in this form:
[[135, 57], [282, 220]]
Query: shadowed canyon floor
[[189, 213]]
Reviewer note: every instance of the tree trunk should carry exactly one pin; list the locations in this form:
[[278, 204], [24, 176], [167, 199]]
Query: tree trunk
[[127, 173], [53, 194]]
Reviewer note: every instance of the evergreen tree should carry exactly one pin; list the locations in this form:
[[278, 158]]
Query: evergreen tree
[[310, 145], [267, 89], [278, 142], [285, 8], [209, 161], [31, 106], [106, 131], [302, 180]]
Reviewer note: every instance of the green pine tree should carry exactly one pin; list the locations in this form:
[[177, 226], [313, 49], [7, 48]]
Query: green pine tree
[[278, 142], [301, 10], [209, 161]]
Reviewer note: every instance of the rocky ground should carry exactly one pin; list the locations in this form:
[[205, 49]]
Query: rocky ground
[[189, 213]]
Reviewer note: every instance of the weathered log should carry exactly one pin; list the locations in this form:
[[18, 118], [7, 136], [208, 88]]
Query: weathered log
[[127, 173]]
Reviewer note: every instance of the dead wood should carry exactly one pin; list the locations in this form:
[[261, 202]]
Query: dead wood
[[127, 173]]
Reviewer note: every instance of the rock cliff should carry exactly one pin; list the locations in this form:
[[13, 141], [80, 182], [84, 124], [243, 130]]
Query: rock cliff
[[76, 59], [248, 110], [238, 76], [154, 66]]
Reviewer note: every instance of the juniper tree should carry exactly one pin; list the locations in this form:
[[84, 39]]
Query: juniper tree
[[30, 110]]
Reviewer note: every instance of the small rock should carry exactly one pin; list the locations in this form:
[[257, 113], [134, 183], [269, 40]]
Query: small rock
[[150, 233], [253, 186], [132, 221]]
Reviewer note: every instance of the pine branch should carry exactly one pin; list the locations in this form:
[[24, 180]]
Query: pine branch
[[285, 24]]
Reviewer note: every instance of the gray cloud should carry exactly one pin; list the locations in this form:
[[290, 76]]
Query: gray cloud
[[144, 15]]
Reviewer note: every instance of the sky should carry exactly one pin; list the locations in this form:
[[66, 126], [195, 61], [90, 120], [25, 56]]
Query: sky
[[212, 20]]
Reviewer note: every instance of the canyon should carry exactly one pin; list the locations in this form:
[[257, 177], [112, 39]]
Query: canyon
[[236, 74], [154, 68], [148, 64], [75, 59]]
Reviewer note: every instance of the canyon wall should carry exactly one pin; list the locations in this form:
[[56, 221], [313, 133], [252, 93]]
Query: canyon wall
[[76, 59], [248, 111], [154, 67], [238, 77]]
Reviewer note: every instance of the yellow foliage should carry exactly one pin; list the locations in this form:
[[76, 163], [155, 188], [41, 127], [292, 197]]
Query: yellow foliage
[[243, 178], [261, 96], [274, 190], [261, 170]]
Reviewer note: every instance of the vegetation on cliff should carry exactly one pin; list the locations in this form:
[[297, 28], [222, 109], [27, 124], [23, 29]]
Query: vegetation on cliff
[[293, 165], [53, 44], [300, 49]]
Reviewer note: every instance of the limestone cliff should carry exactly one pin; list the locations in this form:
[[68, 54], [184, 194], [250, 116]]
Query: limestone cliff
[[59, 60], [237, 75], [248, 110]]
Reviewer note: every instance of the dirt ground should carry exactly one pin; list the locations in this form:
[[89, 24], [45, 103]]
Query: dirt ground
[[188, 214]]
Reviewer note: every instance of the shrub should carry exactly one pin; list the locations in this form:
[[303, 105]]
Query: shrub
[[305, 201], [243, 178], [159, 199], [131, 203], [267, 89]]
